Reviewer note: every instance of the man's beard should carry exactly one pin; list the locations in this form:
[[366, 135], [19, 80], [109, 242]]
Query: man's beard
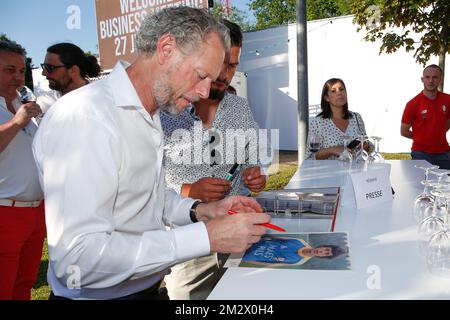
[[163, 95], [56, 85], [216, 94]]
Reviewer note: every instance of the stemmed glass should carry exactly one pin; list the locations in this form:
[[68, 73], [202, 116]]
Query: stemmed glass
[[314, 143], [438, 208], [438, 257], [375, 156], [430, 225], [424, 201], [346, 155], [361, 155]]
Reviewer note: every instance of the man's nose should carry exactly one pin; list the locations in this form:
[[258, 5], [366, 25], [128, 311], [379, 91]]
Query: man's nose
[[203, 88]]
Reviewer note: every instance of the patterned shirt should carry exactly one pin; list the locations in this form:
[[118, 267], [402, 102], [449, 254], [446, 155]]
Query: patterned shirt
[[332, 136], [192, 152]]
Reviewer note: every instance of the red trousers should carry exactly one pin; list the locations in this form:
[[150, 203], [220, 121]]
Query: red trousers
[[22, 233]]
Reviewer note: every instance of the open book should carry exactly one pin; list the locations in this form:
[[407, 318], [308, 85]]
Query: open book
[[300, 203]]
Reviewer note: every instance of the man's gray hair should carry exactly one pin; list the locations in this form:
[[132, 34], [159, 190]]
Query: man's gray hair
[[187, 25], [12, 46]]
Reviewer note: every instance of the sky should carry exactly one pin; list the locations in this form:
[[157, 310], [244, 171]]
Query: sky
[[38, 24]]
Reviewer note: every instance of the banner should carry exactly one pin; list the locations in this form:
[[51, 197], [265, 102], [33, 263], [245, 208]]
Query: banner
[[119, 20]]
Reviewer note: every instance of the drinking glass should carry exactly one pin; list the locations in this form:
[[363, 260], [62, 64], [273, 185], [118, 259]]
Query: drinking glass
[[375, 156], [430, 226], [346, 155], [26, 95], [314, 143], [361, 155], [438, 256], [424, 200]]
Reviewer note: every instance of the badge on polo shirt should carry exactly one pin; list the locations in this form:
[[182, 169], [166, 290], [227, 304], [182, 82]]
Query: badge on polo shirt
[[444, 108], [424, 113]]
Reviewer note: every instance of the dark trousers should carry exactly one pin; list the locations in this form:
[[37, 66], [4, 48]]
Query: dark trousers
[[155, 292], [439, 159]]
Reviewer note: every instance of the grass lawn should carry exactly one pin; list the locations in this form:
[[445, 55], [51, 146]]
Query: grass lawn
[[278, 180]]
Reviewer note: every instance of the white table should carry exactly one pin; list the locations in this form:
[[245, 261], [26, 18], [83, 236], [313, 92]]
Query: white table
[[386, 263]]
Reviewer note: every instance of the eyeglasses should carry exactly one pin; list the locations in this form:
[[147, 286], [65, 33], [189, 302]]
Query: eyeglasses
[[50, 68]]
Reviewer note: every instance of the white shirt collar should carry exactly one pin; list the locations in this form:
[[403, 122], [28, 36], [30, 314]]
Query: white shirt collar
[[16, 103], [126, 94]]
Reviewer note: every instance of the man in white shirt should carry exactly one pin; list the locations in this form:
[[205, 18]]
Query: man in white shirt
[[22, 224], [99, 151]]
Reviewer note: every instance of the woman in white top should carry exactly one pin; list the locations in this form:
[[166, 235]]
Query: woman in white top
[[334, 122]]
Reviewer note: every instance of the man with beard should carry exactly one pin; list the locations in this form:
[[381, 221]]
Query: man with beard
[[426, 120], [66, 68], [217, 118], [99, 151]]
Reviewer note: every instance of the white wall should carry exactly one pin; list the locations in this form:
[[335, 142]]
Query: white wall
[[378, 85]]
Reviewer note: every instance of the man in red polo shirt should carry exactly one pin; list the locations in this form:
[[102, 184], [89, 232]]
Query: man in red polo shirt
[[428, 115]]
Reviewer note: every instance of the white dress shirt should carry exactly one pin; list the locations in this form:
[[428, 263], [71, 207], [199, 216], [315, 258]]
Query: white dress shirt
[[19, 178], [99, 153]]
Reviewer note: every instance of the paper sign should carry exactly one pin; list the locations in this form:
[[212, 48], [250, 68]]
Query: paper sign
[[368, 187]]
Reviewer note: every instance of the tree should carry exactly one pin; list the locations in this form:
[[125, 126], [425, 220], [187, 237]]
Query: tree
[[428, 18], [273, 12], [237, 16], [29, 65], [280, 12]]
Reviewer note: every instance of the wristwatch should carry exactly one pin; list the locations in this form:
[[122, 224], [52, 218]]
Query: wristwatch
[[193, 211]]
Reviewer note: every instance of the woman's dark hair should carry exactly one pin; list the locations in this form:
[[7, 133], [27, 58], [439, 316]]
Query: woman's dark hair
[[325, 105], [71, 55]]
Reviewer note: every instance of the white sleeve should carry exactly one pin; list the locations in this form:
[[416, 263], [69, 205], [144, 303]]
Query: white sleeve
[[80, 173]]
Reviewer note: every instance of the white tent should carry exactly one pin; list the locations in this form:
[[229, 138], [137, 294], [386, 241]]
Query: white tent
[[378, 86]]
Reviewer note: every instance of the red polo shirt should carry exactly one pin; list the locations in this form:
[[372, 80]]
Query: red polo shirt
[[428, 119]]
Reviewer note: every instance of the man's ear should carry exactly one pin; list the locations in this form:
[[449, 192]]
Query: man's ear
[[74, 71], [165, 48]]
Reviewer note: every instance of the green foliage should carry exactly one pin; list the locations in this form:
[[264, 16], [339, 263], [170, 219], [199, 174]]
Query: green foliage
[[273, 12], [279, 12], [428, 18], [237, 16], [29, 64]]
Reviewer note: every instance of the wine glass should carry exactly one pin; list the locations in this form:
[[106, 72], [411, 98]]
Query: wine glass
[[424, 200], [438, 208], [346, 155], [361, 155], [314, 143], [375, 156], [438, 257], [431, 224]]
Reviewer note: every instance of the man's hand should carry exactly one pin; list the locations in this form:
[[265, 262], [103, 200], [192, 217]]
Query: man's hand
[[207, 211], [207, 189], [254, 179], [236, 233], [25, 113]]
